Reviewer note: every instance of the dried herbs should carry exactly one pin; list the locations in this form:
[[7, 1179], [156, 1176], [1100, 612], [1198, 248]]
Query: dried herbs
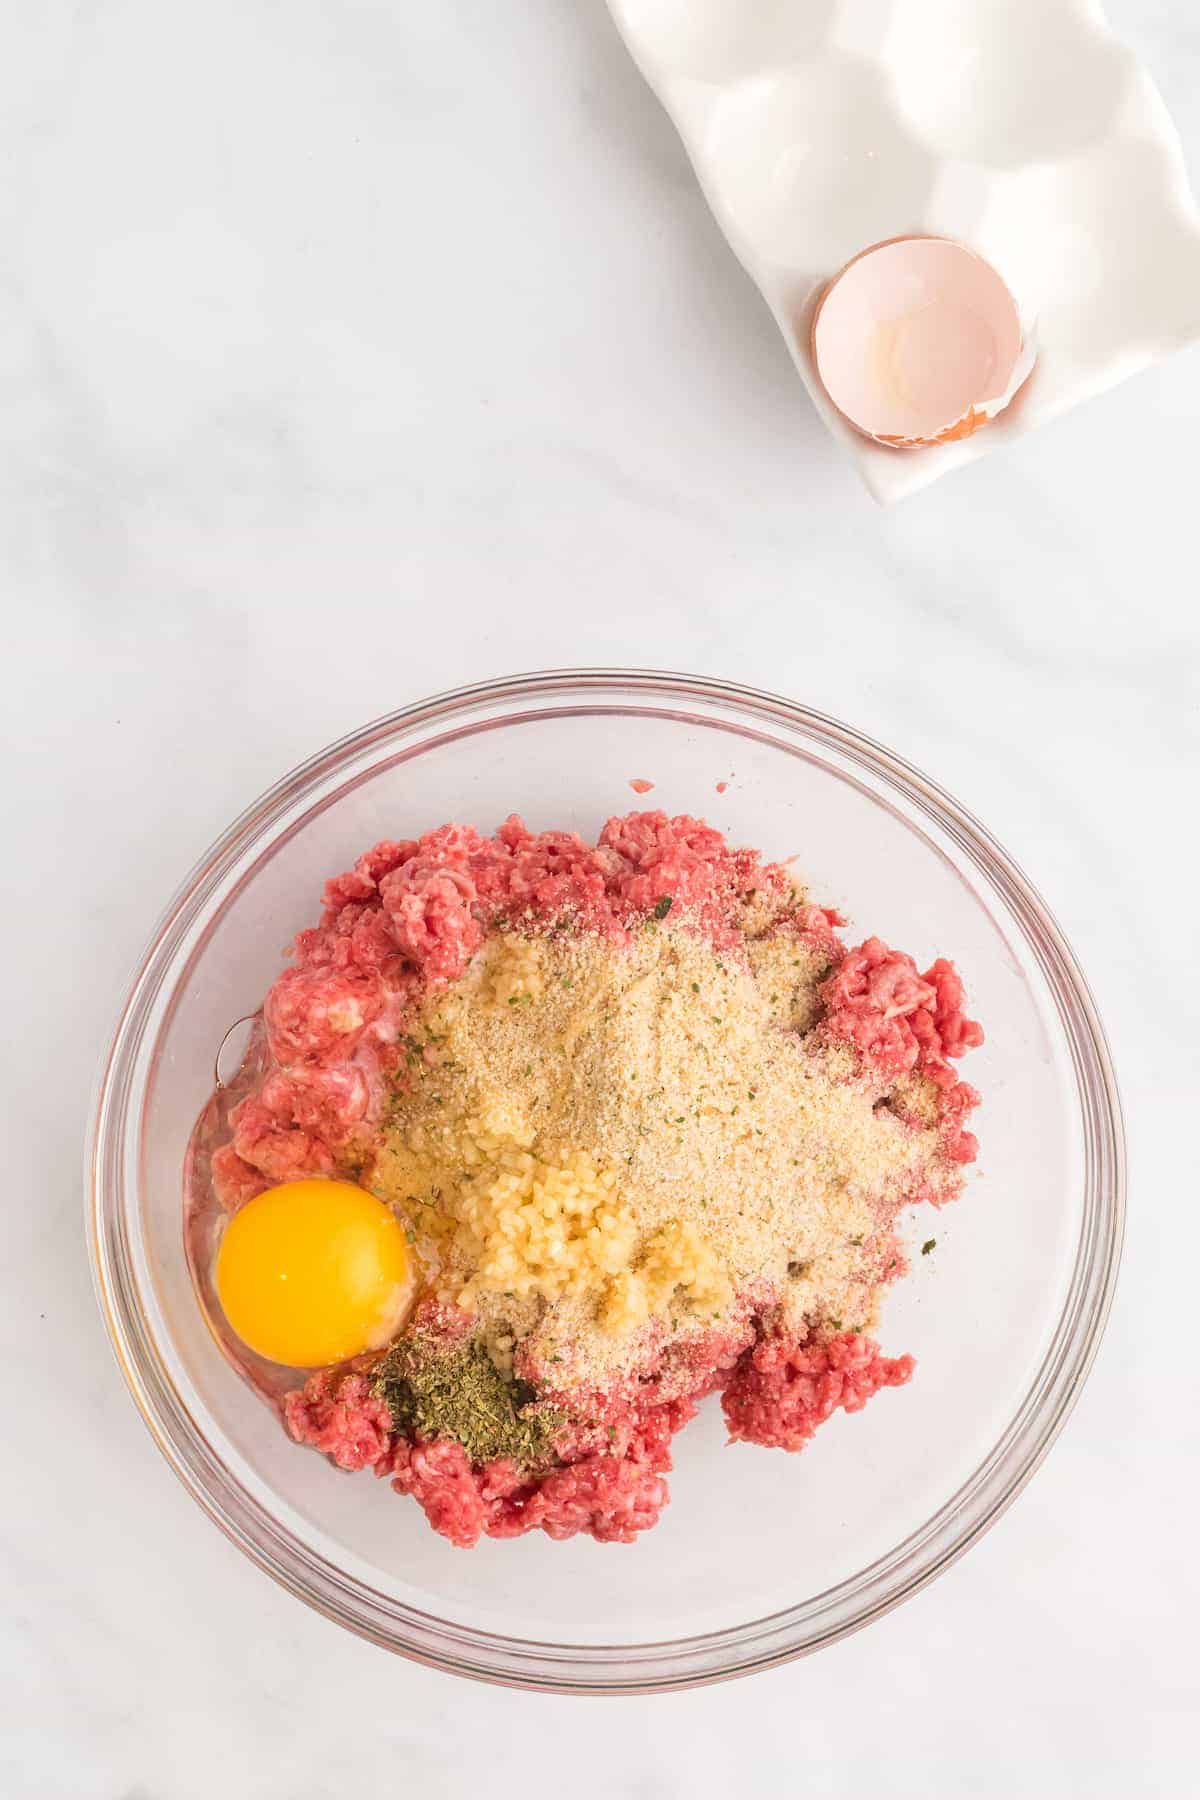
[[459, 1393]]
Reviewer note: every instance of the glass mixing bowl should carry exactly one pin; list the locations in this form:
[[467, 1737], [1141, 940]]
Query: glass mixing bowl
[[760, 1556]]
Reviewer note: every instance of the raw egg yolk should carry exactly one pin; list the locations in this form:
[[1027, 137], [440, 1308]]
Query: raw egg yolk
[[311, 1272]]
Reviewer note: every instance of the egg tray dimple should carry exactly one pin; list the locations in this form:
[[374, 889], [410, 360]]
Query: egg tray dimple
[[1021, 127]]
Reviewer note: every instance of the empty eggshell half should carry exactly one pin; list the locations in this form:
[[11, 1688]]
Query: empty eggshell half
[[918, 341]]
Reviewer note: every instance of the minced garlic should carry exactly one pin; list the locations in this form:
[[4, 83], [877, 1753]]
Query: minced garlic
[[545, 1227], [677, 1264], [514, 971]]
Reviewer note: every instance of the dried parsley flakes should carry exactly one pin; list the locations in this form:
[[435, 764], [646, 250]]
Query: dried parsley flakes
[[460, 1394]]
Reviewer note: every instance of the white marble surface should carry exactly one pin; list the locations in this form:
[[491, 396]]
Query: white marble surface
[[316, 321]]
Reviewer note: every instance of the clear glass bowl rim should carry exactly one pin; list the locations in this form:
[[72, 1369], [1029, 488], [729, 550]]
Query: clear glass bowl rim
[[112, 1177]]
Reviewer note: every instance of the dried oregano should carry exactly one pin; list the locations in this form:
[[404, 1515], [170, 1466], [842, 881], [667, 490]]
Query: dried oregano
[[434, 1392]]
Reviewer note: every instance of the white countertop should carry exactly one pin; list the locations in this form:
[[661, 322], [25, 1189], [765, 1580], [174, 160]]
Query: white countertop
[[323, 325]]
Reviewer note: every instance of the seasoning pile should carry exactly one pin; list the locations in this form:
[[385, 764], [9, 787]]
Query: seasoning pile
[[647, 1123]]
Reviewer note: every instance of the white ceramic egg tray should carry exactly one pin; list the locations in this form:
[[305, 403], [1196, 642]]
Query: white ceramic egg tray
[[1021, 127]]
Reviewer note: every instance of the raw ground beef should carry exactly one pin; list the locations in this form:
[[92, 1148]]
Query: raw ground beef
[[775, 1393], [608, 1481], [407, 919], [339, 1415], [410, 914], [783, 1389]]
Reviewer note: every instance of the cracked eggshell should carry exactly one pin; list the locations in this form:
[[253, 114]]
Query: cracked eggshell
[[918, 341]]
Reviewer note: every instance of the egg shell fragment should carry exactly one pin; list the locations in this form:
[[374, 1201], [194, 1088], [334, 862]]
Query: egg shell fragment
[[918, 341]]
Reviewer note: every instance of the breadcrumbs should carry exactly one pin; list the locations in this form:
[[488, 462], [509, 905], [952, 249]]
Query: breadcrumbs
[[595, 1137]]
